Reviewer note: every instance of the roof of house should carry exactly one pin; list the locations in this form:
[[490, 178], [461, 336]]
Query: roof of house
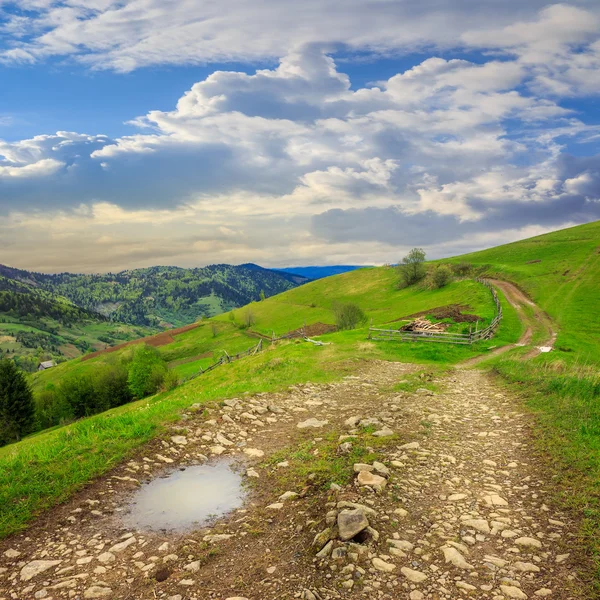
[[47, 364]]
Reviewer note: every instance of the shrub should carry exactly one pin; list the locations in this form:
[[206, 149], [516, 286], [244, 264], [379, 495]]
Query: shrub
[[412, 268], [51, 408], [16, 403], [170, 381], [441, 277], [79, 393], [348, 316], [462, 269], [146, 372]]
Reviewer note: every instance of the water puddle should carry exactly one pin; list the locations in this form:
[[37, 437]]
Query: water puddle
[[188, 498]]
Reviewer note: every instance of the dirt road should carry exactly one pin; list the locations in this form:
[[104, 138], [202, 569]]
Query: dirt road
[[540, 331], [464, 508]]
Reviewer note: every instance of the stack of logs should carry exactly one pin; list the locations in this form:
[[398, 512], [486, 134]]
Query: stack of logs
[[424, 325]]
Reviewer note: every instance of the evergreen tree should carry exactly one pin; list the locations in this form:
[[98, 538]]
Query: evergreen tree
[[16, 403]]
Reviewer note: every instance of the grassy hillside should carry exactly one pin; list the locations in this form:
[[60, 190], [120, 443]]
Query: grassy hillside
[[561, 273], [47, 467], [36, 325]]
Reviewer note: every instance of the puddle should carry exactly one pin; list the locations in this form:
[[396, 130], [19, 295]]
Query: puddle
[[185, 499]]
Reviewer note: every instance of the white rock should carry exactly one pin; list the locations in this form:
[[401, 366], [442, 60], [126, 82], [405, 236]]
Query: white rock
[[452, 555], [97, 591], [12, 553], [528, 542], [254, 452], [35, 567], [510, 591], [276, 506], [180, 440], [384, 432], [412, 575], [288, 496], [480, 525], [122, 545], [106, 557], [315, 423], [410, 446], [381, 565]]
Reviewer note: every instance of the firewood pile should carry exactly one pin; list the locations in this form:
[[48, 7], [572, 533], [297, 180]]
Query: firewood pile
[[420, 325]]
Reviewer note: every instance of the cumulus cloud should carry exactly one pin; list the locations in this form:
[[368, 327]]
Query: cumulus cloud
[[293, 163]]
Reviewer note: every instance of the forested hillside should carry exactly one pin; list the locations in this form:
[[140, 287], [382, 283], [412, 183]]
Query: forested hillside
[[159, 296], [36, 325]]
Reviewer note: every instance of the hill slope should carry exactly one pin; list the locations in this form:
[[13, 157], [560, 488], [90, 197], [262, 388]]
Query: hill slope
[[36, 325], [160, 296], [561, 273]]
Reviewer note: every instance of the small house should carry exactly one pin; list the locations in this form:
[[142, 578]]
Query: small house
[[48, 364]]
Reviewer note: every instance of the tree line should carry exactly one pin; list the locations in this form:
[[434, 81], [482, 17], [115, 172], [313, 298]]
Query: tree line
[[140, 374]]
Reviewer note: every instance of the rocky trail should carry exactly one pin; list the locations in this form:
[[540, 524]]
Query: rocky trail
[[540, 331], [456, 504]]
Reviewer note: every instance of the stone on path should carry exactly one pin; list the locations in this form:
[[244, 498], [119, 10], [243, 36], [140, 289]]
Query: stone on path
[[254, 452], [35, 567], [351, 522], [377, 482], [383, 566], [384, 432], [452, 555], [480, 525], [412, 575], [315, 423], [122, 545], [528, 542], [97, 591], [11, 553], [510, 591]]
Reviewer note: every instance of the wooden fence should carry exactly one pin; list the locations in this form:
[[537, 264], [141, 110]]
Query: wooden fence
[[445, 337], [227, 358]]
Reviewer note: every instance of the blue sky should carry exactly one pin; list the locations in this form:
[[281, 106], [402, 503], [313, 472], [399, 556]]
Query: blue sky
[[143, 132]]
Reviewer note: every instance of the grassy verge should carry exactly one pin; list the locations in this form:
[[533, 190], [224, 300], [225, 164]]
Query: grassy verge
[[565, 396]]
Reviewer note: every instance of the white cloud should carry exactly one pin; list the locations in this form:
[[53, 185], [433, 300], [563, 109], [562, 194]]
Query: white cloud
[[287, 160]]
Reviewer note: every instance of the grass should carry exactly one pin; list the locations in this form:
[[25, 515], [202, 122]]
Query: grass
[[561, 387], [565, 398], [321, 463], [565, 281]]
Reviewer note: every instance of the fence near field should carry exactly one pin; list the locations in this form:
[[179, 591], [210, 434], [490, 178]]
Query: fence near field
[[444, 337], [227, 358]]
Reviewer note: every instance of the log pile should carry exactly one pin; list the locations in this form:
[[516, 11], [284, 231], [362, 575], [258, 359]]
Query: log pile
[[420, 325]]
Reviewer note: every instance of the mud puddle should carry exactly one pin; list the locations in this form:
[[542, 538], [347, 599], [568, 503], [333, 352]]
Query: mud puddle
[[187, 498]]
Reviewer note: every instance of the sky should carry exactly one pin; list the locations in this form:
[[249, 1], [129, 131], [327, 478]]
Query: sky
[[186, 132]]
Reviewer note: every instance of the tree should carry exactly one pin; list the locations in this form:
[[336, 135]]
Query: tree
[[147, 371], [441, 277], [348, 316], [412, 268], [262, 294], [17, 409]]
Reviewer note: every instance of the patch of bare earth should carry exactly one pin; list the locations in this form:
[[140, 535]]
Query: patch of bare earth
[[464, 508]]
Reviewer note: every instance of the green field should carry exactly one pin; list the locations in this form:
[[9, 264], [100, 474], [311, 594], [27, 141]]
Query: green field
[[562, 387]]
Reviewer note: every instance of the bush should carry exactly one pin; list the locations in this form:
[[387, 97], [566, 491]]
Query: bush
[[462, 269], [170, 381], [147, 371], [441, 277], [17, 409], [412, 268], [51, 408], [79, 393], [348, 316]]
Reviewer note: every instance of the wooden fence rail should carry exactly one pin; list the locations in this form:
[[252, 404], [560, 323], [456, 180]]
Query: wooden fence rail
[[226, 358], [443, 336]]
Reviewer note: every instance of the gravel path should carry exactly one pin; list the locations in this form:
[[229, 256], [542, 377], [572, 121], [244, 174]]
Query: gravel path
[[464, 509]]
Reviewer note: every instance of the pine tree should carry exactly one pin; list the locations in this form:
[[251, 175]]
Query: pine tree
[[16, 403]]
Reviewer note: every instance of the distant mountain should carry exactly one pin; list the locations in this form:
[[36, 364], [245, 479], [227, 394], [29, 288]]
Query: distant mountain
[[159, 296], [320, 272]]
